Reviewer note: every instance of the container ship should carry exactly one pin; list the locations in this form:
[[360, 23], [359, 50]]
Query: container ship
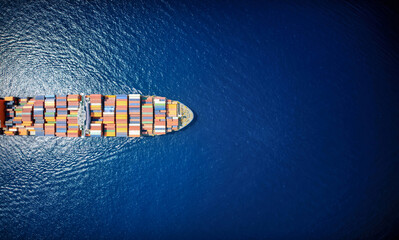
[[94, 115]]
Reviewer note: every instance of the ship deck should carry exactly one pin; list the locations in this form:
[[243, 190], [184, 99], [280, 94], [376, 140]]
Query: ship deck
[[186, 116]]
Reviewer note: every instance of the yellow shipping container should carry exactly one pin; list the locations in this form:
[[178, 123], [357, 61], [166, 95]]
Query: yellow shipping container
[[23, 132], [109, 122], [9, 98]]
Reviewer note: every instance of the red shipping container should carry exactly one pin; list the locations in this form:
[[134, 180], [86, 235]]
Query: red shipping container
[[96, 128]]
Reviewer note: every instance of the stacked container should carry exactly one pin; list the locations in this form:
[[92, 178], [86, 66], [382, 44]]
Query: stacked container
[[10, 114], [172, 121], [72, 117], [49, 115], [27, 115], [38, 115], [121, 115], [17, 120], [96, 124], [27, 108], [160, 115], [109, 116], [18, 116], [96, 106], [147, 116], [134, 115], [62, 114], [22, 117]]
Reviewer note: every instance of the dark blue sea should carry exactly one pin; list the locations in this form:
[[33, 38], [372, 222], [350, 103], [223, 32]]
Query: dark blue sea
[[296, 134]]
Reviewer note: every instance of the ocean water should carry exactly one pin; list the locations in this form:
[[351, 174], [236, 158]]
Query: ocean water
[[296, 133]]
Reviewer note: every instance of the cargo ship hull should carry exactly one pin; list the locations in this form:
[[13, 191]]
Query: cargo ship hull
[[94, 115]]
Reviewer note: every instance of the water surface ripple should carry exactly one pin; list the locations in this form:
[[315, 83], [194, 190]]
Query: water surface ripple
[[296, 133]]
